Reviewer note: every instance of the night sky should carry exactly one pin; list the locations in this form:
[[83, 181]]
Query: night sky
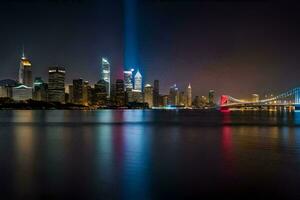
[[234, 47]]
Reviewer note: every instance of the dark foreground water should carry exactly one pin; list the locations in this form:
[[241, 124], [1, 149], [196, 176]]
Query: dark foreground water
[[138, 154]]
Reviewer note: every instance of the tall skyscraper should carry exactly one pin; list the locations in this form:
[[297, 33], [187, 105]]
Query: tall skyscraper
[[56, 85], [189, 96], [156, 93], [211, 97], [138, 81], [25, 71], [128, 80], [148, 95], [78, 91], [174, 96], [105, 74]]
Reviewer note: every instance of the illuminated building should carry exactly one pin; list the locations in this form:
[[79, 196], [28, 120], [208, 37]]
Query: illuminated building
[[6, 86], [99, 93], [189, 96], [78, 91], [156, 93], [211, 97], [148, 95], [174, 96], [71, 96], [105, 74], [254, 97], [135, 96], [165, 100], [182, 99], [120, 94], [56, 84], [39, 89], [128, 80], [138, 81], [86, 93], [21, 93], [25, 71]]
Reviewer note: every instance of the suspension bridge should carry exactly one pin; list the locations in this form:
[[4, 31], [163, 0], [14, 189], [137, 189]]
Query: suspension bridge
[[289, 99]]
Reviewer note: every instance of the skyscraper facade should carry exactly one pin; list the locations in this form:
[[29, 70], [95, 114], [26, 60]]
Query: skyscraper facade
[[39, 89], [105, 74], [99, 93], [25, 72], [56, 84], [148, 95], [138, 81], [189, 96], [174, 96], [156, 93], [86, 93], [78, 91], [128, 80], [120, 94]]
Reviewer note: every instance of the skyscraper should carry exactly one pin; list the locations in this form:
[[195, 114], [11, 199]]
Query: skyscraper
[[189, 96], [78, 91], [174, 96], [25, 71], [105, 74], [56, 86], [138, 81], [148, 95], [86, 93], [120, 94], [99, 94], [128, 80], [156, 93]]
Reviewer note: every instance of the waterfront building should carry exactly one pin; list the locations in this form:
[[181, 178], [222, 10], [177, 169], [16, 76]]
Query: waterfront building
[[182, 99], [78, 91], [86, 93], [174, 96], [189, 96], [156, 93], [254, 98], [105, 74], [148, 95], [25, 71], [39, 89], [99, 93], [138, 81], [128, 80], [211, 97], [135, 96], [6, 86], [56, 84], [165, 100], [71, 98], [21, 93], [120, 94]]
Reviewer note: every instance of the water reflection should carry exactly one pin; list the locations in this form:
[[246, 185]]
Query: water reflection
[[139, 154], [24, 160]]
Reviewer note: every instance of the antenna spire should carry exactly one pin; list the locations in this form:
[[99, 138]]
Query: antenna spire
[[23, 52]]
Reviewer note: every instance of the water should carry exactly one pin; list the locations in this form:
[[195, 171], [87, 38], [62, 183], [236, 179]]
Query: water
[[136, 154]]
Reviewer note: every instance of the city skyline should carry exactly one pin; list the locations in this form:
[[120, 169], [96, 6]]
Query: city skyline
[[247, 51]]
